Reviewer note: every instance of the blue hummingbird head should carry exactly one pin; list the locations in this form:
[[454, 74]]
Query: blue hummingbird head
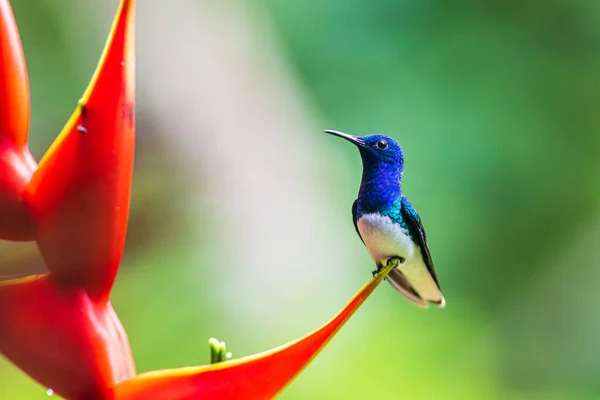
[[378, 152], [383, 163]]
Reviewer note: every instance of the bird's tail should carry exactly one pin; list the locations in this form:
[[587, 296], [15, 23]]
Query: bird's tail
[[416, 285]]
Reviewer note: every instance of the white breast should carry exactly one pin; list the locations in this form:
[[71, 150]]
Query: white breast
[[384, 239]]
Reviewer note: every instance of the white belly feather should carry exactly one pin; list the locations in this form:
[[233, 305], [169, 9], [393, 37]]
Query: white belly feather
[[384, 239]]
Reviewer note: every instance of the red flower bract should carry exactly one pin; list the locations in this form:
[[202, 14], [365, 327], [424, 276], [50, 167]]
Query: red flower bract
[[60, 328], [80, 193], [258, 377], [16, 163], [63, 339]]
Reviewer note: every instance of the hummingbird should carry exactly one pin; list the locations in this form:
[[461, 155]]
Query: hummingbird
[[388, 224]]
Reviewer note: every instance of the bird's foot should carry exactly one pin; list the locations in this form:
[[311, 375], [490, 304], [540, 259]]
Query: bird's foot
[[395, 261]]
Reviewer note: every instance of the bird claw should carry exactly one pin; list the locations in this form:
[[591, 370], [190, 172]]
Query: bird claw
[[395, 261]]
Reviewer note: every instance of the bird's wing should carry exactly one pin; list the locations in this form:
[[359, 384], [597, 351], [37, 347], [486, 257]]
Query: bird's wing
[[355, 220], [416, 230]]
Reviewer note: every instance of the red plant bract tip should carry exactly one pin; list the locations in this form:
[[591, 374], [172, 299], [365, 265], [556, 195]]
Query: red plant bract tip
[[16, 163], [80, 192], [14, 90], [257, 377]]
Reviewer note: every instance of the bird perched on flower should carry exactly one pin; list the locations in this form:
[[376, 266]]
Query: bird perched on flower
[[388, 224]]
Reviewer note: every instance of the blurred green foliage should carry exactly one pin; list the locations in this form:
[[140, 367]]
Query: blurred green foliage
[[495, 105]]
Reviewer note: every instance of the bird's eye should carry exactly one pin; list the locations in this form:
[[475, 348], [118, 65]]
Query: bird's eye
[[381, 145]]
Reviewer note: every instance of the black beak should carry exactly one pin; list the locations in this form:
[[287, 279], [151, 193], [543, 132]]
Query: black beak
[[350, 138]]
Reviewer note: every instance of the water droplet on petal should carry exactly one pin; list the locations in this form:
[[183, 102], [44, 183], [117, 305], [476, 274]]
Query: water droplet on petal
[[50, 392]]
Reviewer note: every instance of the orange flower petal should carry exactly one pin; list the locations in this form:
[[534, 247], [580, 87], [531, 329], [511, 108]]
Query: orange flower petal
[[64, 340], [80, 193], [257, 377], [16, 163]]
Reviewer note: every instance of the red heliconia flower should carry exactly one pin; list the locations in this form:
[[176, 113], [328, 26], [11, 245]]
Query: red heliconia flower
[[60, 328]]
